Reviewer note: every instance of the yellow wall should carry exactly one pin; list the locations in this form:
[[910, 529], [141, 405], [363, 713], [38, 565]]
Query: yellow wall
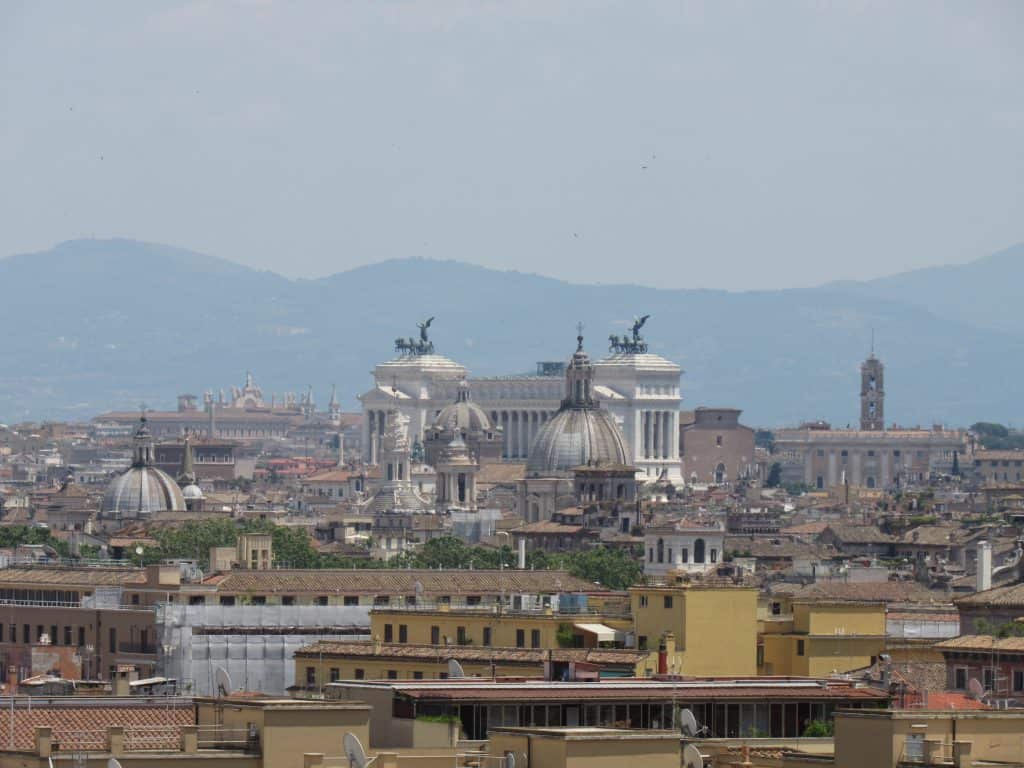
[[836, 637], [715, 628], [504, 627]]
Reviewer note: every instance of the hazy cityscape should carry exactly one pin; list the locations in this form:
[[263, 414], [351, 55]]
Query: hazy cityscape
[[521, 385]]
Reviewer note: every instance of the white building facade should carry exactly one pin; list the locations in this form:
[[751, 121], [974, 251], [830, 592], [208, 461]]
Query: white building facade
[[640, 390]]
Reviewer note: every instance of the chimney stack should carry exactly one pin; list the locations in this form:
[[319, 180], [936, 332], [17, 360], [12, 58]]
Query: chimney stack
[[984, 575]]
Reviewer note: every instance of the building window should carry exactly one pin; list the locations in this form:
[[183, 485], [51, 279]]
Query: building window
[[258, 600], [1018, 680], [520, 638], [668, 601], [360, 674], [819, 482], [776, 608], [760, 655], [871, 453], [320, 600], [227, 599], [392, 674], [799, 647], [335, 674], [67, 635], [535, 638], [643, 601], [661, 550], [698, 551], [487, 636], [684, 555], [403, 633], [435, 635], [460, 636], [381, 600], [989, 679], [650, 555], [718, 440], [641, 642], [417, 675], [351, 600], [389, 633], [310, 675], [714, 555], [960, 678]]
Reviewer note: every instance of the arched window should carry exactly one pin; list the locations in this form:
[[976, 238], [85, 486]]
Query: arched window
[[661, 550], [720, 473], [698, 551], [871, 481]]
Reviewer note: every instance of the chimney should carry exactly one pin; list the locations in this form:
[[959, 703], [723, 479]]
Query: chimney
[[984, 575], [521, 544]]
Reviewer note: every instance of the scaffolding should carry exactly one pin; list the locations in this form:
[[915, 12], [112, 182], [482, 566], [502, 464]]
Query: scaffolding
[[255, 644]]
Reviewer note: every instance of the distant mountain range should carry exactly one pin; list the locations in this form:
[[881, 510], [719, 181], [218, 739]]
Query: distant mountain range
[[92, 325]]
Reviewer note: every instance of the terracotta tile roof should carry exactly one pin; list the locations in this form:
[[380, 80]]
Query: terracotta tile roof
[[1010, 596], [330, 476], [858, 534], [79, 577], [934, 535], [470, 653], [500, 473], [873, 592], [550, 527], [399, 582], [80, 725], [807, 529], [982, 643]]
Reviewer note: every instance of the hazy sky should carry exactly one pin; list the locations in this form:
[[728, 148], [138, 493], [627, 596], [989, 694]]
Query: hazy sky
[[717, 144]]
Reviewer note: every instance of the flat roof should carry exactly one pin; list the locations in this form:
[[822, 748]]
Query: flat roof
[[625, 688]]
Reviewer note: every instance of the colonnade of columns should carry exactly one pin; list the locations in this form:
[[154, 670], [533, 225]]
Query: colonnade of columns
[[520, 427], [659, 434], [377, 422]]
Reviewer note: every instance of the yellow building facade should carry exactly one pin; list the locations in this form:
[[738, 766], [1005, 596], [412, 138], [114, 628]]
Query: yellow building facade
[[714, 628], [490, 628], [817, 638]]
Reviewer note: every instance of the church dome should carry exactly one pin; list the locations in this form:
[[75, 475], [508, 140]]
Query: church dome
[[142, 489], [581, 432], [463, 416]]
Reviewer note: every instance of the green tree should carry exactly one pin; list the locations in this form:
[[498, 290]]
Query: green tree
[[15, 535], [774, 475], [956, 465], [818, 729], [613, 568]]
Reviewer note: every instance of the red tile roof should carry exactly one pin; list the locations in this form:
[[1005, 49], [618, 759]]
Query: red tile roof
[[82, 725]]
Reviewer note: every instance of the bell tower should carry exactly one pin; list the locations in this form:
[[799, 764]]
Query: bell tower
[[872, 394]]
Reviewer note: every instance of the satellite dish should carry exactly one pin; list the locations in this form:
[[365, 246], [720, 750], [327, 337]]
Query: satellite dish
[[113, 763], [223, 681], [692, 758], [455, 669], [139, 550], [354, 751], [977, 689], [510, 760], [688, 723]]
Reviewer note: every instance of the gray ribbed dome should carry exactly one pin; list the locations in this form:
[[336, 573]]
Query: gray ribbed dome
[[574, 437], [580, 433], [463, 416], [142, 489]]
